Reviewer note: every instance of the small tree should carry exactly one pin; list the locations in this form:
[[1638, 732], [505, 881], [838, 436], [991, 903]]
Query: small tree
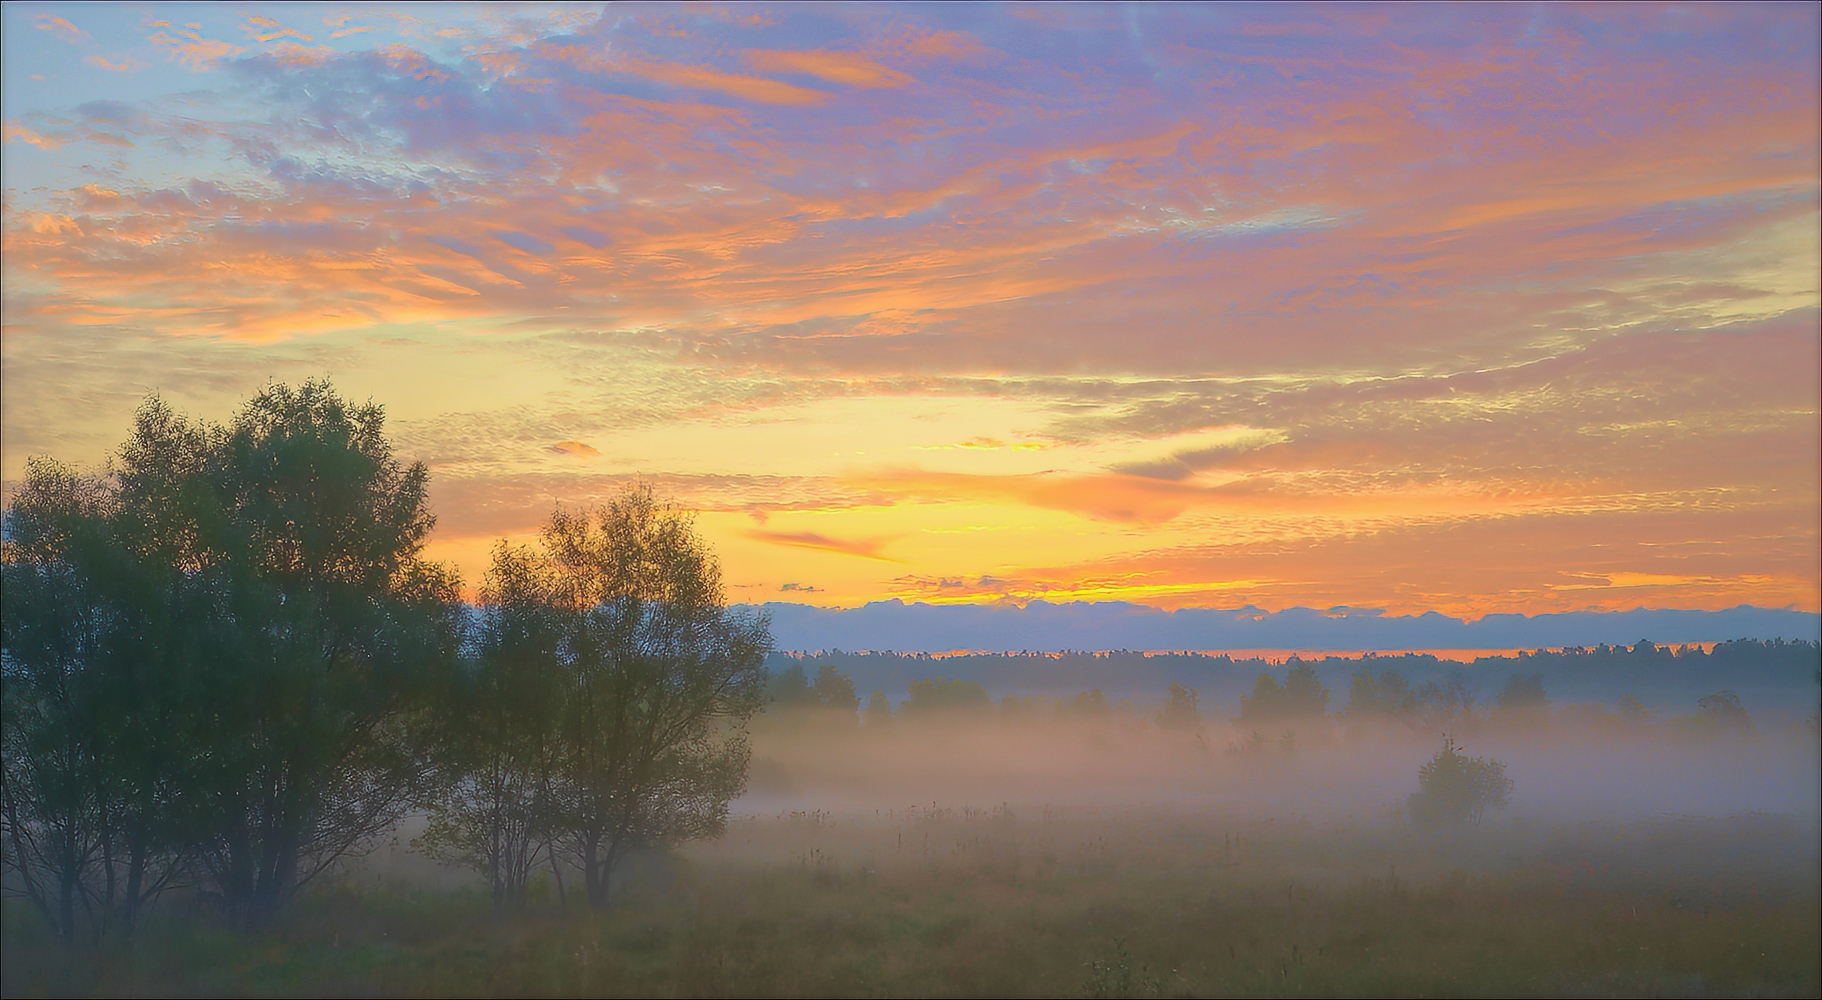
[[835, 690], [1722, 712], [657, 681], [498, 748], [879, 710], [1453, 789], [1180, 712]]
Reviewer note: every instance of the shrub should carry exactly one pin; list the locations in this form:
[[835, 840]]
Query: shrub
[[1453, 789]]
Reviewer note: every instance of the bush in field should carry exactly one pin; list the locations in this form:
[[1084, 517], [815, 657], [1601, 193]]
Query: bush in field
[[1454, 789]]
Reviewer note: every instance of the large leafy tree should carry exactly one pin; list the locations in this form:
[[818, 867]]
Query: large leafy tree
[[216, 654], [337, 628]]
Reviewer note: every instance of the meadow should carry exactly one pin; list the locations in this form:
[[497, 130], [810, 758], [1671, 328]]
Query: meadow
[[902, 861]]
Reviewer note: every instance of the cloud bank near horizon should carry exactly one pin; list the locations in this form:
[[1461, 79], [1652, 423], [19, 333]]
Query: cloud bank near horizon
[[1045, 627]]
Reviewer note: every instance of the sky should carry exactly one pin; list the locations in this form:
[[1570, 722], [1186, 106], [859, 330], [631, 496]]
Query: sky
[[1468, 309]]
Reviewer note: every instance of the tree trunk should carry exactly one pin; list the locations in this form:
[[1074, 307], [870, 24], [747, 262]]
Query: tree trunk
[[136, 866]]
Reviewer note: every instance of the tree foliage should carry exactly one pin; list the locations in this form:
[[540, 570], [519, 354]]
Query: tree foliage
[[215, 654], [621, 686]]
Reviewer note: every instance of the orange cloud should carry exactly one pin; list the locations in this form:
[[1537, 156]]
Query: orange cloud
[[60, 27], [850, 68], [574, 449], [126, 64], [190, 49], [266, 29], [865, 548], [18, 133]]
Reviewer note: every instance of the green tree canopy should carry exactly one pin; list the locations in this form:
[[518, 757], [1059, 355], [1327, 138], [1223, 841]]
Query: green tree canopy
[[638, 682], [237, 635]]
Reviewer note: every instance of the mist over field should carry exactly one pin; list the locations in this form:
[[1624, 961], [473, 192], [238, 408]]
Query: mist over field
[[1602, 733], [1581, 768]]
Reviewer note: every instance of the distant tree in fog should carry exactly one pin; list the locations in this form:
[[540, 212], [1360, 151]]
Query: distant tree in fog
[[1523, 693], [1180, 712], [1722, 712], [879, 710], [789, 688], [935, 693], [1454, 789], [1385, 696], [835, 689], [1632, 711], [1090, 705], [1302, 696], [1438, 704]]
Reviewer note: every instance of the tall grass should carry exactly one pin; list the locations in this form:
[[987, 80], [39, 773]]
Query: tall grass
[[1042, 901]]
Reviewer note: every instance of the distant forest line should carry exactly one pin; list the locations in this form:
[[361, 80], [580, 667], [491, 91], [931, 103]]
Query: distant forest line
[[1768, 674]]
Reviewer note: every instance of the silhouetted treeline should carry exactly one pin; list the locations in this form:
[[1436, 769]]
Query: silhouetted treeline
[[1605, 673]]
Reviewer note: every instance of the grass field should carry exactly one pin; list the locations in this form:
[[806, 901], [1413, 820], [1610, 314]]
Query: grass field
[[1046, 901]]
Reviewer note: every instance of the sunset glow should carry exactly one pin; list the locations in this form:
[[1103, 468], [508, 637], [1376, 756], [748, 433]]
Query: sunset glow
[[1465, 309]]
